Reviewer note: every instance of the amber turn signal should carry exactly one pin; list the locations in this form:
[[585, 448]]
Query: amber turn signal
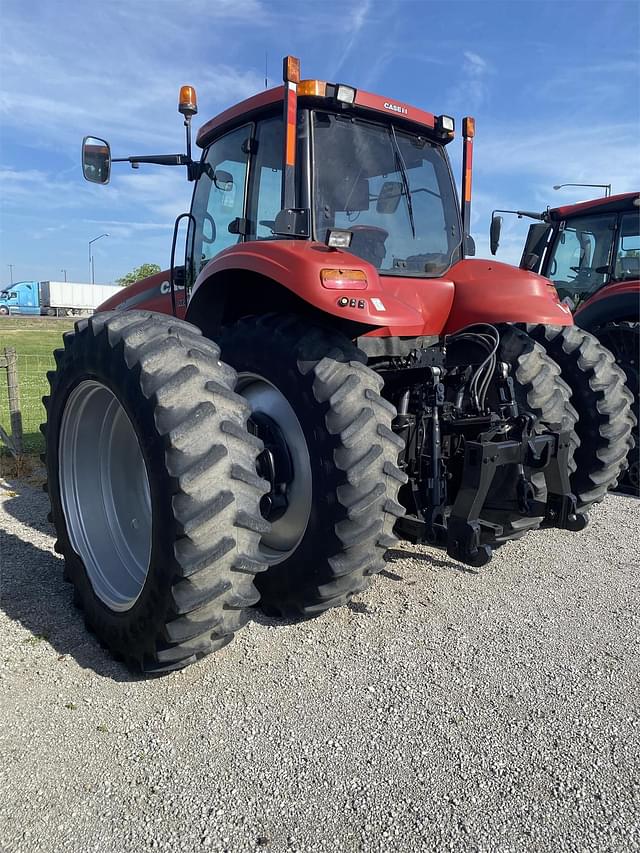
[[337, 279], [313, 87]]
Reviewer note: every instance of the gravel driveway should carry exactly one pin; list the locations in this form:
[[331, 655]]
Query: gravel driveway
[[444, 710]]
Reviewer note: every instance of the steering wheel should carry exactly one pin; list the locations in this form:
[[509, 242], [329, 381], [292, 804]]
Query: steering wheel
[[209, 218]]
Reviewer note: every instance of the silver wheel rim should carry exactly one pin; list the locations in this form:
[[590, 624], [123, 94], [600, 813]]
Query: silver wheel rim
[[287, 532], [105, 494]]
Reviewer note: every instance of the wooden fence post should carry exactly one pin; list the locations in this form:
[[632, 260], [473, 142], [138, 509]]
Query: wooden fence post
[[15, 415]]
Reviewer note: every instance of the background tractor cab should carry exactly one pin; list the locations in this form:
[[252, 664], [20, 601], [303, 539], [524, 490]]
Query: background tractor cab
[[583, 247]]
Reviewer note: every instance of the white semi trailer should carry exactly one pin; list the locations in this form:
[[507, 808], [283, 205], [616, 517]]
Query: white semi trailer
[[54, 298]]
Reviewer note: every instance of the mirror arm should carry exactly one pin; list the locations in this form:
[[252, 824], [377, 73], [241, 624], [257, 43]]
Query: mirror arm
[[158, 159], [542, 217]]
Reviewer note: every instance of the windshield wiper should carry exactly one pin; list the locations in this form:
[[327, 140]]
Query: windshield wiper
[[402, 168]]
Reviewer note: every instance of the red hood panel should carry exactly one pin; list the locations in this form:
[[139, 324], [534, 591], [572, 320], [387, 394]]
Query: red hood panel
[[492, 292]]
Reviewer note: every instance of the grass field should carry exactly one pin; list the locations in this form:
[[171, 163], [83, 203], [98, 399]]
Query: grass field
[[34, 339]]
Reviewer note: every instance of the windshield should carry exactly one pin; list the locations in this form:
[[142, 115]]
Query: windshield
[[393, 190]]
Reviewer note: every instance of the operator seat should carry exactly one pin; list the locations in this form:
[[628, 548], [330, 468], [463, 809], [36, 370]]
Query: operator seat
[[368, 243]]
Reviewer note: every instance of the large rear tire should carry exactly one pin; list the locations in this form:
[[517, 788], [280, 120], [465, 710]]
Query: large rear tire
[[153, 487], [603, 403], [623, 340], [332, 457]]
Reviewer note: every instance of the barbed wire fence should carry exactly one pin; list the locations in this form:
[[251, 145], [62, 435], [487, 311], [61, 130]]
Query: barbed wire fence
[[23, 382]]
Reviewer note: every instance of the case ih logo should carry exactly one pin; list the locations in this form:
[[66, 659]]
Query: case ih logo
[[395, 108]]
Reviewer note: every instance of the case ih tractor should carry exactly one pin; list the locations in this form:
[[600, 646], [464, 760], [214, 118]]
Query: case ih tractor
[[591, 252], [326, 372]]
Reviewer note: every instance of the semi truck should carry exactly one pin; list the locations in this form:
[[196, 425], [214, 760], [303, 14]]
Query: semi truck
[[54, 298]]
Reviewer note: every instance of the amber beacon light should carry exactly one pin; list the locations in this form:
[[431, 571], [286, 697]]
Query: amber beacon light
[[188, 101]]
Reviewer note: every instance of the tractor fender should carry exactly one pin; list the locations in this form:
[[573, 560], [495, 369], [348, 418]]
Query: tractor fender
[[390, 305], [148, 294], [493, 292], [613, 303]]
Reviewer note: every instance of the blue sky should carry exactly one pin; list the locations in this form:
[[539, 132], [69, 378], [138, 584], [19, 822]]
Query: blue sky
[[554, 87]]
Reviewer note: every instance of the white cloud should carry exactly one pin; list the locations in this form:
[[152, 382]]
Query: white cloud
[[471, 92], [475, 64], [357, 21]]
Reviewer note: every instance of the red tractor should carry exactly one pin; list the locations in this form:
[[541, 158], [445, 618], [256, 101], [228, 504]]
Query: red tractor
[[591, 252], [326, 371]]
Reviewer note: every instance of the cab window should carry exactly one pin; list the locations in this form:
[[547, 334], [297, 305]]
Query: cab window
[[581, 256], [627, 261], [218, 202]]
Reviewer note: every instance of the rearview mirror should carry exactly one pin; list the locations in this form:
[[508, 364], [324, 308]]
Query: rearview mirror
[[223, 180], [494, 233], [96, 160], [389, 197]]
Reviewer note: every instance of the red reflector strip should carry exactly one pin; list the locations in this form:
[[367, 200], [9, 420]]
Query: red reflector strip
[[343, 279]]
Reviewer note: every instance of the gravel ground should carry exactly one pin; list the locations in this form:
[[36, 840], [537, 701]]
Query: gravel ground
[[443, 710]]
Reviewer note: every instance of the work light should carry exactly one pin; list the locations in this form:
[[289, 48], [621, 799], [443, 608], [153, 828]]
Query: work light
[[345, 94]]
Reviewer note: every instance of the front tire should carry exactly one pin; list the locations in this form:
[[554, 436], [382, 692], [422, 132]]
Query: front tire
[[332, 457], [154, 496]]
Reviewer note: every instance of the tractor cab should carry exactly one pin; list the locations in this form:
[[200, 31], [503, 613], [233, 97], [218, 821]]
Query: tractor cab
[[384, 193], [352, 171], [582, 247], [590, 247], [323, 163]]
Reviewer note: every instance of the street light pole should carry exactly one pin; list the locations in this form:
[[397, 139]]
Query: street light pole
[[91, 271], [605, 187], [65, 274]]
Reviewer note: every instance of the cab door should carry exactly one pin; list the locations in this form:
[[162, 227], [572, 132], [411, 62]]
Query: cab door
[[219, 200]]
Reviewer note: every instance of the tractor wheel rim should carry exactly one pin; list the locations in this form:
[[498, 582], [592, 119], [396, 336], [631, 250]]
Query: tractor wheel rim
[[287, 531], [105, 494]]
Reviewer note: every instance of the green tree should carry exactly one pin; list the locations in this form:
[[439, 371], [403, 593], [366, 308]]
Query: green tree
[[139, 272]]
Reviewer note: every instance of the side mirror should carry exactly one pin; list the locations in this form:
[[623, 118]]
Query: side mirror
[[389, 197], [223, 180], [494, 233], [96, 160]]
